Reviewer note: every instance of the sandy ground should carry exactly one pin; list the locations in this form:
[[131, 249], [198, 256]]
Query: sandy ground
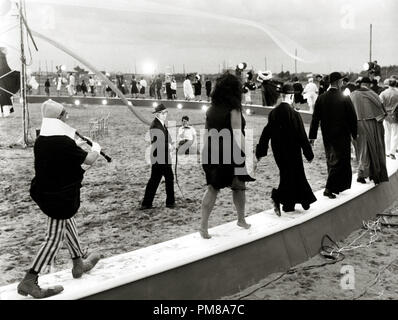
[[374, 267], [109, 218]]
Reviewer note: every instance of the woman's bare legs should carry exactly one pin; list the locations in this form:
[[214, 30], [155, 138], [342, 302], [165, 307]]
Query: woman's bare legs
[[209, 199], [239, 197]]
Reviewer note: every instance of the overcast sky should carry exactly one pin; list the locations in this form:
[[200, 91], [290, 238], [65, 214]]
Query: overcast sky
[[121, 35]]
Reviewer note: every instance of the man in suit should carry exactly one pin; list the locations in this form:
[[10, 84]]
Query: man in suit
[[338, 120], [160, 160]]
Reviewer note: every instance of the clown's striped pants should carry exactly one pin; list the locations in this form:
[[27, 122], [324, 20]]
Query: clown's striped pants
[[57, 231]]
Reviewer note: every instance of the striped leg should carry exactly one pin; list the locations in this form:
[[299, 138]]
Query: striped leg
[[72, 239], [54, 239]]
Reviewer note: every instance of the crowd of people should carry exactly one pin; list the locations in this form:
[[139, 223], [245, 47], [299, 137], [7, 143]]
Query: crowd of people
[[159, 87]]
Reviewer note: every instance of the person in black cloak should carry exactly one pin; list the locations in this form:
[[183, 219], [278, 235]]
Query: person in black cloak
[[288, 138], [298, 91], [338, 120]]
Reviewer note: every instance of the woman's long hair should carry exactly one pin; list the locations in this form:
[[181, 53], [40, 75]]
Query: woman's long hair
[[227, 92]]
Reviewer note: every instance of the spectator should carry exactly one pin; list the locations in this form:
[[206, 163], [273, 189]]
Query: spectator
[[208, 88], [311, 93], [83, 88], [298, 91], [134, 88], [47, 86], [198, 88], [91, 84], [158, 87], [188, 91], [143, 85], [168, 86], [71, 85], [186, 137], [173, 88]]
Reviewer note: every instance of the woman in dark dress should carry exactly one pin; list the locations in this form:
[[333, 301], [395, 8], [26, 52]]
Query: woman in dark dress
[[134, 88], [223, 157]]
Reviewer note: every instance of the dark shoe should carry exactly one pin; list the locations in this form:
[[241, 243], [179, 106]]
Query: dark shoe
[[277, 207], [81, 266], [171, 206], [392, 156], [287, 209], [329, 194], [361, 180], [305, 206], [29, 285], [144, 207]]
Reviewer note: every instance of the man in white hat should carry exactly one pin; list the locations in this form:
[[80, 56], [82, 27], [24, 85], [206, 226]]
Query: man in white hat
[[56, 190]]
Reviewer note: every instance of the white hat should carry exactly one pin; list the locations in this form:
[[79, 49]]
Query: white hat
[[265, 75], [51, 109]]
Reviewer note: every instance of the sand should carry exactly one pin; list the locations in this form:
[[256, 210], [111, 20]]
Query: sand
[[375, 267]]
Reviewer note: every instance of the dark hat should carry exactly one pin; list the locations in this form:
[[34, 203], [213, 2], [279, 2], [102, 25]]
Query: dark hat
[[366, 80], [334, 76], [287, 88], [159, 108]]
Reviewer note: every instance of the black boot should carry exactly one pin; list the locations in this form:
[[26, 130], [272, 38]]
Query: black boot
[[277, 207], [329, 194]]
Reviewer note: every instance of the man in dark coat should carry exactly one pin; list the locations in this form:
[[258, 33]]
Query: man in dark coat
[[298, 91], [288, 138], [160, 160], [338, 120]]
